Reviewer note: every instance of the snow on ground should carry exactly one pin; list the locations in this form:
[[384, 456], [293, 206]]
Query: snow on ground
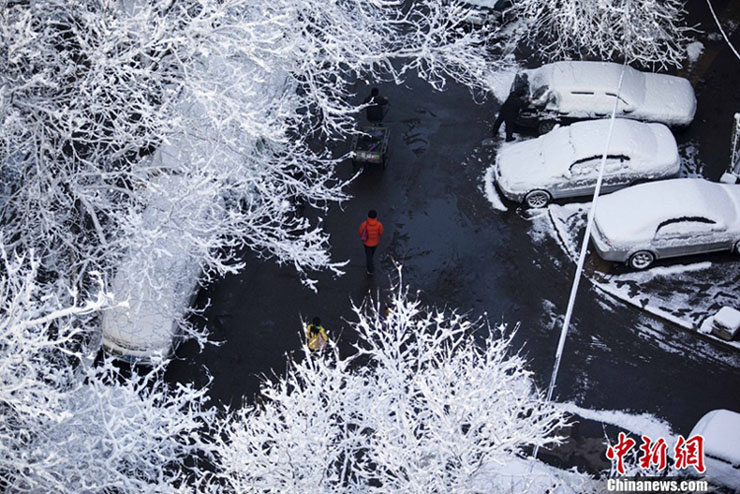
[[541, 228], [671, 270], [643, 424], [694, 51], [683, 293], [714, 37], [529, 475], [691, 166], [490, 190]]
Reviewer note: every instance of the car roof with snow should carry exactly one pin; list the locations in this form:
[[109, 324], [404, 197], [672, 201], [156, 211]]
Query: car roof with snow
[[721, 431], [155, 278], [550, 157], [587, 139], [591, 76], [636, 212]]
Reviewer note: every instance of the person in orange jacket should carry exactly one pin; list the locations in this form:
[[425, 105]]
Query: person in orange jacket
[[370, 231]]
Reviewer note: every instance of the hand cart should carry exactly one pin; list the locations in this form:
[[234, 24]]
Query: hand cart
[[370, 146]]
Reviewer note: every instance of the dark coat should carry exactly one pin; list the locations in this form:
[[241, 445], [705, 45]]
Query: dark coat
[[374, 112], [512, 106]]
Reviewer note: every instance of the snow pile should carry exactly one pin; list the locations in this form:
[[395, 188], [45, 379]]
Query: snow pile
[[728, 317], [643, 424], [490, 190], [691, 165], [529, 475], [694, 51], [676, 269]]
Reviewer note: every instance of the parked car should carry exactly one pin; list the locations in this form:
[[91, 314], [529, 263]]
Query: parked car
[[565, 162], [564, 92], [664, 219], [159, 281], [721, 432]]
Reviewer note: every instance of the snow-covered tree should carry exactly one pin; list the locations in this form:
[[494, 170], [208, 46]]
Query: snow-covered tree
[[234, 89], [430, 402], [69, 427], [649, 32]]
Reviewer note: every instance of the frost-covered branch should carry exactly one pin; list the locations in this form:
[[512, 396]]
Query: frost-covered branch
[[238, 93], [648, 32], [421, 407], [67, 427]]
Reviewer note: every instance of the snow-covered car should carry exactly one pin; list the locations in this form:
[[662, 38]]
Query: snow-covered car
[[563, 92], [665, 219], [721, 432], [157, 280], [565, 162]]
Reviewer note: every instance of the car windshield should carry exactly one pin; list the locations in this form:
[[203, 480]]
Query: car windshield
[[559, 150], [539, 93]]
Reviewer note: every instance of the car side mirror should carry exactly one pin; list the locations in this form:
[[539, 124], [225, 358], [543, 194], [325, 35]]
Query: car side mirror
[[628, 109], [567, 174]]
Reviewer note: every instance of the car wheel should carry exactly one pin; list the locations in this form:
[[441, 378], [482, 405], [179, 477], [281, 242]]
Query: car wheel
[[545, 126], [537, 199], [641, 259], [736, 248]]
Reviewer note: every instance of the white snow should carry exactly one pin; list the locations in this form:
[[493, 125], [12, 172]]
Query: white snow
[[714, 37], [500, 83], [587, 89], [566, 77], [529, 475], [729, 318], [672, 270], [636, 423], [721, 431], [156, 277], [691, 164], [490, 190], [694, 51]]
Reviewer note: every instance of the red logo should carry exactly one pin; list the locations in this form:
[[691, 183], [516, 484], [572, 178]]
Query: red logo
[[687, 453], [690, 453], [653, 453], [624, 445]]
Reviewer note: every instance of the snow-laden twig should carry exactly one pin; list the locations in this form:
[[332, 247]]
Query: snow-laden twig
[[647, 32], [69, 428], [430, 402]]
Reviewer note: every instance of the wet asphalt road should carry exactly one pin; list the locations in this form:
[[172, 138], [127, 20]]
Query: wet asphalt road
[[458, 251]]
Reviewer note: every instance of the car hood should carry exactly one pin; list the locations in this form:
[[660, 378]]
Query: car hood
[[668, 99]]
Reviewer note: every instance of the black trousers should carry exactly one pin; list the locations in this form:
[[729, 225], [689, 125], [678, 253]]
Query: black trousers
[[509, 127], [369, 252]]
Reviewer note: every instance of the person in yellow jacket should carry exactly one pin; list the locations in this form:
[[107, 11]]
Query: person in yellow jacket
[[316, 335]]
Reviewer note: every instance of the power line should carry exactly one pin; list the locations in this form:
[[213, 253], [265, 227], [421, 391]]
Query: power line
[[584, 246], [711, 9]]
